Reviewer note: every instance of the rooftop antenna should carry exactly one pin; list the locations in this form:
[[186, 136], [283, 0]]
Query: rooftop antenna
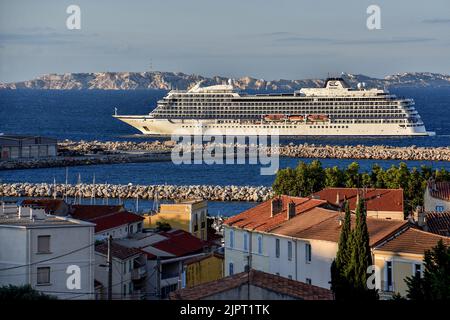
[[65, 187], [137, 203], [79, 188], [115, 111]]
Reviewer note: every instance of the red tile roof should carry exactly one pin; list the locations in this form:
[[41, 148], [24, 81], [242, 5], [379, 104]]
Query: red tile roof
[[438, 223], [283, 286], [322, 224], [50, 205], [376, 199], [86, 212], [413, 241], [259, 217], [440, 190], [179, 243], [115, 220], [118, 251]]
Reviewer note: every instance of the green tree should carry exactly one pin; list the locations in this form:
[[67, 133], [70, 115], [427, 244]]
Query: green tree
[[435, 284], [351, 176], [285, 182], [333, 177], [25, 292]]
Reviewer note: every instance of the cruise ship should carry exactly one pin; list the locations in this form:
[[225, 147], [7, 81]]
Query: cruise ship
[[333, 110]]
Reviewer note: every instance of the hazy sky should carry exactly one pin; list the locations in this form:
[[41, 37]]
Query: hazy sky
[[266, 39]]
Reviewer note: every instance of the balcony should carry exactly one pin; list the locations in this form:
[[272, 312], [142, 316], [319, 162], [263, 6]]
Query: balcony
[[139, 273]]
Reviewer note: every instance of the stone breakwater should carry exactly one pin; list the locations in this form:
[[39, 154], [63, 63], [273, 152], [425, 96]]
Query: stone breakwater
[[84, 160], [380, 152], [150, 192]]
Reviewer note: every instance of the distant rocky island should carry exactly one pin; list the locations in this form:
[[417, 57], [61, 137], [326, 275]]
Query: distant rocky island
[[178, 80]]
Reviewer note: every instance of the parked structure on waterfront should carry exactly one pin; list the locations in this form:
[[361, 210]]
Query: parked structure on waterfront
[[188, 215], [253, 285], [380, 203], [45, 250], [26, 147], [437, 196]]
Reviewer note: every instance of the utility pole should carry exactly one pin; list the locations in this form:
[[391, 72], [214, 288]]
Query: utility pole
[[109, 268], [158, 277]]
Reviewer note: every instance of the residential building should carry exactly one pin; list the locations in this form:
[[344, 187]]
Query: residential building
[[401, 256], [112, 220], [380, 203], [203, 269], [296, 238], [14, 147], [166, 252], [109, 220], [253, 285], [189, 215], [55, 255], [437, 196], [129, 271]]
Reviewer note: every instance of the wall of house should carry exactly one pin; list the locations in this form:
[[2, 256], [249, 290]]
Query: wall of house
[[242, 293], [120, 232], [78, 239], [181, 216], [121, 276], [297, 268], [402, 267], [205, 270], [392, 215], [434, 204]]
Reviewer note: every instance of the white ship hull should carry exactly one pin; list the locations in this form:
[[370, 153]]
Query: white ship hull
[[166, 127]]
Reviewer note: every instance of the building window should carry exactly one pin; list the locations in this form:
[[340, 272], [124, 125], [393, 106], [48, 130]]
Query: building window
[[245, 241], [195, 222], [131, 229], [418, 270], [139, 226], [231, 268], [43, 275], [130, 288], [124, 292], [277, 248], [130, 267], [308, 252], [289, 250], [388, 275], [231, 239], [125, 267], [43, 244], [260, 244], [308, 281]]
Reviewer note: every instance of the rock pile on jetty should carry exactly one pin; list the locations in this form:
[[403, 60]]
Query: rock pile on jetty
[[130, 191], [305, 150]]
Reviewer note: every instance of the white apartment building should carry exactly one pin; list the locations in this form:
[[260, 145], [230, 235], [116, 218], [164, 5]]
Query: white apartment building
[[293, 237], [437, 196], [55, 255]]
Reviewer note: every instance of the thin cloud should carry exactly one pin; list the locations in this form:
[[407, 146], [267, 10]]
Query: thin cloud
[[383, 41], [436, 21]]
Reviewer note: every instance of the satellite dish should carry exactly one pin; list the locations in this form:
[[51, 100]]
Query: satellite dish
[[359, 85], [364, 84], [230, 82]]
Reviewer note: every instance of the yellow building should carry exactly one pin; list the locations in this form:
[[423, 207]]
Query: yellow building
[[188, 215], [203, 269], [401, 257]]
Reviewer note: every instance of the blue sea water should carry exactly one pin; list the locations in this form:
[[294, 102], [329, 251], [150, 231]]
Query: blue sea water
[[87, 115]]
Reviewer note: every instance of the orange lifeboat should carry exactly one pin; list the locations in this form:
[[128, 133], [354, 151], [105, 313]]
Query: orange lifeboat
[[274, 117], [296, 118], [317, 118]]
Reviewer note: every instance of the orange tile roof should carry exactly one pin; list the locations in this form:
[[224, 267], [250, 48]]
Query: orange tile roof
[[376, 199], [322, 224], [295, 289], [86, 212], [117, 250], [440, 190], [50, 205], [413, 241], [438, 222], [259, 217]]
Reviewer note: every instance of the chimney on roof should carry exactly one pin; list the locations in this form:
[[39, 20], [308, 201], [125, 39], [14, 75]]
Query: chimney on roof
[[20, 211], [31, 213], [291, 210], [275, 206], [419, 217], [338, 200]]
